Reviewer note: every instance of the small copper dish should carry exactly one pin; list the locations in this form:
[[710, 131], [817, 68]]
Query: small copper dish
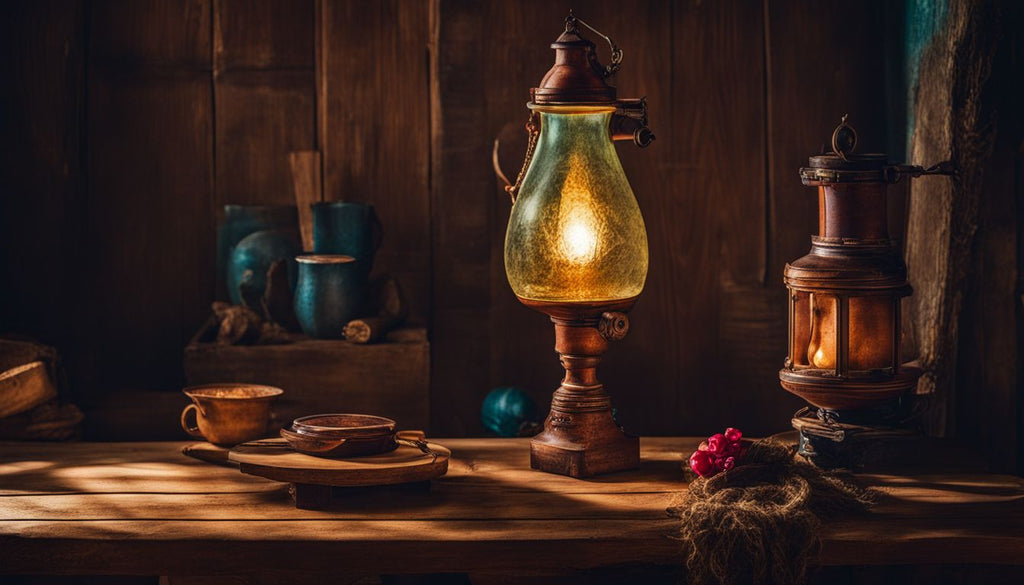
[[341, 435], [344, 426]]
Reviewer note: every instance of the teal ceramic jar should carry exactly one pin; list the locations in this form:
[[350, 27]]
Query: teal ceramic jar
[[252, 257], [348, 228], [241, 220], [329, 293]]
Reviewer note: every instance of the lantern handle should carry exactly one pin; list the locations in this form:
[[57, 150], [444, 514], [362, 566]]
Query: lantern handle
[[616, 62], [533, 129], [496, 163]]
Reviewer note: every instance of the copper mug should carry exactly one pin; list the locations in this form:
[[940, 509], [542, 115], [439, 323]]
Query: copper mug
[[228, 414]]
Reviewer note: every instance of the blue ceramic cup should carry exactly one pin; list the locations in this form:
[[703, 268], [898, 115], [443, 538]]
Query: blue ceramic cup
[[351, 229], [329, 293]]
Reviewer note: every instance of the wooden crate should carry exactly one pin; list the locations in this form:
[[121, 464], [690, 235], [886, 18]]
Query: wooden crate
[[389, 379]]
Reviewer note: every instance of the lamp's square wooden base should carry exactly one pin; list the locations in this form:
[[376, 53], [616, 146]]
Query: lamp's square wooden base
[[582, 459]]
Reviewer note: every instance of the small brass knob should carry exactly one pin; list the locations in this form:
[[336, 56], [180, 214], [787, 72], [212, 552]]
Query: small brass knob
[[613, 325]]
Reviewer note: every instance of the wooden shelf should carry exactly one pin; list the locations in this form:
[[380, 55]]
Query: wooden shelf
[[389, 379]]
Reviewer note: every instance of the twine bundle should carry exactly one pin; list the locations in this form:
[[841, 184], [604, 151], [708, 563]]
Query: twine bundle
[[759, 522]]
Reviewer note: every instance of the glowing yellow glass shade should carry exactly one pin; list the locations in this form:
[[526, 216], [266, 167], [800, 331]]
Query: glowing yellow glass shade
[[576, 233], [870, 332]]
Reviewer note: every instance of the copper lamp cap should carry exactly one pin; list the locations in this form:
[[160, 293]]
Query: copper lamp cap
[[576, 78], [842, 165]]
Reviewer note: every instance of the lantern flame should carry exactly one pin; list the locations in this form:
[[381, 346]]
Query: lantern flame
[[578, 224], [578, 241], [822, 350]]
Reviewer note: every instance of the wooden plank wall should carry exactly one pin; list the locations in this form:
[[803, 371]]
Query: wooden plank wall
[[375, 133], [149, 167], [168, 110], [41, 190]]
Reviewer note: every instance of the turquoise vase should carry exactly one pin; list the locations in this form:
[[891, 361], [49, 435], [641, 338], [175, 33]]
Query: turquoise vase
[[329, 294], [252, 257], [348, 228], [240, 221]]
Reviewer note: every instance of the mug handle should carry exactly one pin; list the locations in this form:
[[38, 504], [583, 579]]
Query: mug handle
[[378, 229], [192, 431]]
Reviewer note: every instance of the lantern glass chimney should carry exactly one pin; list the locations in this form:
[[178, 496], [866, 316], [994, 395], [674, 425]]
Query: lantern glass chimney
[[576, 233]]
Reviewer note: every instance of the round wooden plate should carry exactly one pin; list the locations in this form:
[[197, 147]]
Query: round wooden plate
[[274, 459]]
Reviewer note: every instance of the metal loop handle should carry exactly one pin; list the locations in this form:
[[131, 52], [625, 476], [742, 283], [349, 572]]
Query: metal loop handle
[[616, 62]]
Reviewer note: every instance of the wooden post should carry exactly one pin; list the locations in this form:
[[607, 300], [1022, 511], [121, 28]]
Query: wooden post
[[306, 178], [949, 122]]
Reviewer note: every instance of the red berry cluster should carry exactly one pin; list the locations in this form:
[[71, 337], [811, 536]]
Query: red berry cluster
[[719, 453]]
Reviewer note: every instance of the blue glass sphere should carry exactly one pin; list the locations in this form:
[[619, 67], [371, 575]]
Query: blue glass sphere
[[507, 410]]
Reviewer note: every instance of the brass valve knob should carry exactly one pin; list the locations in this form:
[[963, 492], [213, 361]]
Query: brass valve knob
[[613, 325]]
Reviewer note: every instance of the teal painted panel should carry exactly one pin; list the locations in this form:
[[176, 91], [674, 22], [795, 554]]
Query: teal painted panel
[[924, 18]]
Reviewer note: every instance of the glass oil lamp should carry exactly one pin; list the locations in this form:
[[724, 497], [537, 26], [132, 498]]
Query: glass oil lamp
[[576, 246], [844, 309]]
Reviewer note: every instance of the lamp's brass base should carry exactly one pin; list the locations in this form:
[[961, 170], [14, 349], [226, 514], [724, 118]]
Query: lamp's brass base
[[580, 437], [583, 444]]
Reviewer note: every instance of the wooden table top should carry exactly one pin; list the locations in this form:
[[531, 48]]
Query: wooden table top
[[144, 508]]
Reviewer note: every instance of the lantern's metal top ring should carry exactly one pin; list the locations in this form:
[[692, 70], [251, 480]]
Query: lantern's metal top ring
[[844, 139], [842, 166]]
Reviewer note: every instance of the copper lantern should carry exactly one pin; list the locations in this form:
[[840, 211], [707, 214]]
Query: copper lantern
[[845, 298], [576, 246]]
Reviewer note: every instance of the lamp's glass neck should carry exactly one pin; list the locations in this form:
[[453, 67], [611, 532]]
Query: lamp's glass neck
[[576, 233]]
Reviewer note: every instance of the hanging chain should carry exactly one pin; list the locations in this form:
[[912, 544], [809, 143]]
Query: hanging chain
[[533, 129]]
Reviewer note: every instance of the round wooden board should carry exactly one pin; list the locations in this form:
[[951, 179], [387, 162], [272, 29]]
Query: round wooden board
[[403, 465]]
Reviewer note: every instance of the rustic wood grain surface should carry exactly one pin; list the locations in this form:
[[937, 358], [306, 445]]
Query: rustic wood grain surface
[[144, 508]]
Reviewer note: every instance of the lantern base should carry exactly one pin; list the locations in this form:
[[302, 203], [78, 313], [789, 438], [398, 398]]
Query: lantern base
[[580, 437], [583, 444], [827, 391], [869, 439]]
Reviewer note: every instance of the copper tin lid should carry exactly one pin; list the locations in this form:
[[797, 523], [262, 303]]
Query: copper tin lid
[[577, 77]]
